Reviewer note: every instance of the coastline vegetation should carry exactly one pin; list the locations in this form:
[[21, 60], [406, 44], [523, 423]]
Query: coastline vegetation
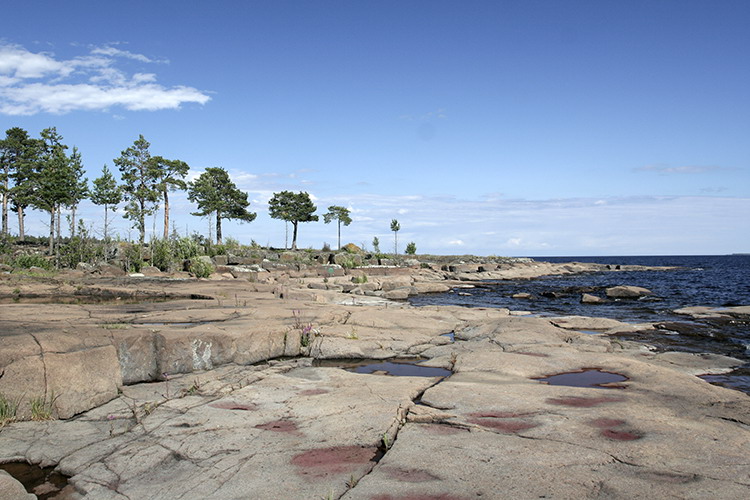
[[43, 173]]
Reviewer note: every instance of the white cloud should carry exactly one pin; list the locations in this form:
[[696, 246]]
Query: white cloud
[[32, 83], [459, 243]]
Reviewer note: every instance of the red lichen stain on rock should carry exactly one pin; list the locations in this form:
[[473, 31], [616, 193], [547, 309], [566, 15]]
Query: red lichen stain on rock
[[324, 462], [313, 392], [278, 426], [620, 435], [581, 402], [409, 475], [229, 405], [535, 354], [506, 426], [607, 423]]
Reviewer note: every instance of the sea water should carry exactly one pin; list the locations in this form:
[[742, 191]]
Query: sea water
[[713, 281]]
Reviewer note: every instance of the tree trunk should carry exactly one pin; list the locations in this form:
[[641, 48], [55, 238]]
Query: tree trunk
[[52, 231], [218, 228], [58, 213], [142, 222], [294, 235], [166, 215], [5, 204], [21, 229], [395, 244], [106, 240], [339, 235], [73, 222]]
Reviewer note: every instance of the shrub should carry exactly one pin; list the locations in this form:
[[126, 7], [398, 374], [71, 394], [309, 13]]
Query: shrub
[[326, 247], [132, 257], [200, 268], [411, 248], [185, 248], [33, 260], [162, 255]]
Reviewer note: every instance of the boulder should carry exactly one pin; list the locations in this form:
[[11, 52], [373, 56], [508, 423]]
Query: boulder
[[151, 271], [587, 298], [11, 489], [627, 292], [402, 293]]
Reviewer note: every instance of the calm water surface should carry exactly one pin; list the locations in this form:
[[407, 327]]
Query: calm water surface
[[715, 281]]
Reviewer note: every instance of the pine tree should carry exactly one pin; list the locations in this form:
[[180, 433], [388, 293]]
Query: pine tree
[[106, 192], [215, 193], [139, 184], [170, 176], [340, 215], [292, 207]]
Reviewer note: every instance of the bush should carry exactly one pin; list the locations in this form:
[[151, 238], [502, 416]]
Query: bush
[[411, 248], [132, 257], [34, 260], [200, 268], [80, 248], [185, 248], [162, 255]]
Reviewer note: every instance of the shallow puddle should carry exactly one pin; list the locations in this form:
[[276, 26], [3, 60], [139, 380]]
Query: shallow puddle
[[594, 378], [395, 368], [45, 483]]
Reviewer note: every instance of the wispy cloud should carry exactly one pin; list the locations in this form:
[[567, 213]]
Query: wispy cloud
[[684, 169], [38, 82]]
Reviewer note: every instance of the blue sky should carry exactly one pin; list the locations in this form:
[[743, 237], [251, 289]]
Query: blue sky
[[488, 127]]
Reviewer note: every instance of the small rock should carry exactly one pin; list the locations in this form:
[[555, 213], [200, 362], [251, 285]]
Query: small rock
[[587, 298], [627, 292], [525, 296]]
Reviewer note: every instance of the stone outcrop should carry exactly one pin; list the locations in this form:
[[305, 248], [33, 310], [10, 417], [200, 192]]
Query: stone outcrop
[[170, 401]]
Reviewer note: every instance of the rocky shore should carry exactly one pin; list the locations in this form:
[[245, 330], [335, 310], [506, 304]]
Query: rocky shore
[[165, 387]]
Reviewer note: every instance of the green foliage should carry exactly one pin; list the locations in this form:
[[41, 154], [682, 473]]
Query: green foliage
[[376, 245], [169, 254], [411, 248], [80, 248], [132, 257], [215, 193], [8, 410], [395, 227], [341, 215], [139, 184], [106, 192], [362, 278], [185, 248], [161, 255], [200, 268], [218, 250], [294, 208], [41, 408], [34, 260]]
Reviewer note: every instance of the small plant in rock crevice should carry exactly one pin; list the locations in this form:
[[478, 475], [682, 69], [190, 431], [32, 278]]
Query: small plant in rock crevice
[[8, 410], [307, 332], [41, 409]]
